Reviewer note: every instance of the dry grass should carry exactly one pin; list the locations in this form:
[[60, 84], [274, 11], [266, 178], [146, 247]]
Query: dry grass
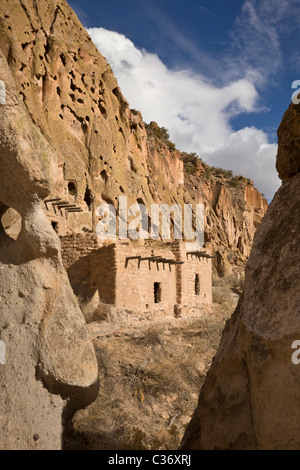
[[224, 287], [151, 336], [229, 281], [222, 295], [155, 379], [150, 380]]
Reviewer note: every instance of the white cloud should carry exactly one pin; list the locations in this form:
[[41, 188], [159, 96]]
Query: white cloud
[[249, 153], [258, 39], [196, 113], [255, 40]]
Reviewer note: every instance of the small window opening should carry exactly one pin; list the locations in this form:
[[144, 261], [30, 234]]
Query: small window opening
[[54, 225], [157, 292], [197, 284], [72, 188], [239, 244]]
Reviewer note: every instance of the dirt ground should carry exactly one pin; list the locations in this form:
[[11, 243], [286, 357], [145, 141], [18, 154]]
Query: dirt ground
[[150, 378]]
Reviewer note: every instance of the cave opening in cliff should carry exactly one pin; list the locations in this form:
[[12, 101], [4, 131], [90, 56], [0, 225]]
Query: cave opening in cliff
[[88, 198], [197, 284], [240, 244], [72, 188], [54, 225], [146, 220], [157, 292], [104, 176]]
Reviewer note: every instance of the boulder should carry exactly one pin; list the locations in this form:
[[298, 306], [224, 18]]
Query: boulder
[[288, 160], [250, 399], [49, 369]]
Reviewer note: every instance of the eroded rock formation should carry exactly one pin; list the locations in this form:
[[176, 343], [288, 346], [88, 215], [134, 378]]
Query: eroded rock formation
[[250, 399], [288, 162], [67, 131], [103, 148], [233, 213], [50, 361]]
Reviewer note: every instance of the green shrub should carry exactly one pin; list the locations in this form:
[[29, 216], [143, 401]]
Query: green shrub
[[220, 171], [171, 145], [160, 133], [207, 173], [235, 181]]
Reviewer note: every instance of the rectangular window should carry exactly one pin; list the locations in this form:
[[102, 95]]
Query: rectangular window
[[157, 292], [197, 284]]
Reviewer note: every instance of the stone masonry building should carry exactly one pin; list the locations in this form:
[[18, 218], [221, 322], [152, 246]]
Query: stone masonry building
[[139, 276]]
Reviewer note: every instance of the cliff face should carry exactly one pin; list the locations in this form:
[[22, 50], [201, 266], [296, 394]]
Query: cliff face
[[234, 210], [102, 146], [250, 399], [74, 99], [67, 131], [288, 162], [49, 355]]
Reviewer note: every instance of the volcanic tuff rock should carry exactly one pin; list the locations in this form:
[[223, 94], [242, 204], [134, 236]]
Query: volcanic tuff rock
[[233, 212], [288, 161], [250, 399], [49, 356], [67, 131], [103, 148]]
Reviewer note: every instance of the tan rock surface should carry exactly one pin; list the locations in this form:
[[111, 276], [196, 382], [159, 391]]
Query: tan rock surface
[[288, 160], [102, 146], [67, 131], [49, 356], [233, 213], [250, 399]]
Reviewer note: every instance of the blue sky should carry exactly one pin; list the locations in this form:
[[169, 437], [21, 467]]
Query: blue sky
[[217, 74]]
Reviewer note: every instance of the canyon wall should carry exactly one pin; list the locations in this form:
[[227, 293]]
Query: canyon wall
[[250, 399], [67, 132], [234, 209], [103, 148]]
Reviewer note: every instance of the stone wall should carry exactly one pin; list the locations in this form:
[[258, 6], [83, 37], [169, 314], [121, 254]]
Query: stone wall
[[66, 223], [190, 293], [189, 290], [135, 283], [77, 245], [102, 273], [114, 275]]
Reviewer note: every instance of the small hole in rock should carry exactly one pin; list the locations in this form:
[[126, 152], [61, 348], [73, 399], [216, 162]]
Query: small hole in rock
[[104, 176], [72, 188], [88, 198]]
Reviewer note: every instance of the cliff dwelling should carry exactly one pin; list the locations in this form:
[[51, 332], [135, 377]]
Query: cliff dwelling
[[145, 276], [153, 276]]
